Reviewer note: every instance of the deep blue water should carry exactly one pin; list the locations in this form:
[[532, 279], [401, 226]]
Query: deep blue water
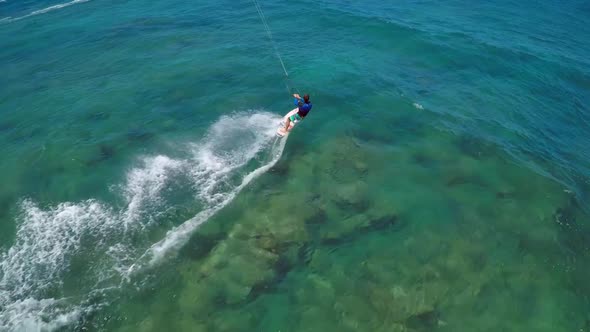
[[512, 73]]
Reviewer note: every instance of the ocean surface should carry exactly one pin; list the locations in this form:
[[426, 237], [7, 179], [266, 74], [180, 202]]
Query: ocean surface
[[440, 183]]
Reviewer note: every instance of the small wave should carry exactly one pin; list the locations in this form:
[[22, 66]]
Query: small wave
[[49, 238], [418, 106], [42, 11]]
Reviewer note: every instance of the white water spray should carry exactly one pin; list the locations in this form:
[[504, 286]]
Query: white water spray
[[235, 151]]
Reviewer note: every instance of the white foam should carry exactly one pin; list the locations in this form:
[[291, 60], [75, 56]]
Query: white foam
[[47, 238], [231, 143], [418, 106], [43, 11], [178, 236], [146, 183], [37, 315], [39, 257], [43, 240]]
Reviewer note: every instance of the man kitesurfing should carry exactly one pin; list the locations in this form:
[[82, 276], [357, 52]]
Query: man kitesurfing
[[303, 107], [303, 104]]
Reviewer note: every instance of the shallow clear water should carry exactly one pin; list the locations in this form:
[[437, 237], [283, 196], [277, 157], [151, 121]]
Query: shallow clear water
[[440, 183]]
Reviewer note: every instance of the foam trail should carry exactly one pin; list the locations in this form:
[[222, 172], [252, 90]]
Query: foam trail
[[38, 259], [178, 236], [47, 239], [231, 143], [111, 240], [31, 314], [43, 11], [44, 240], [146, 183]]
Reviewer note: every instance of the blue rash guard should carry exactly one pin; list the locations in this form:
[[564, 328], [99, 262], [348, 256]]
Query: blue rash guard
[[304, 107]]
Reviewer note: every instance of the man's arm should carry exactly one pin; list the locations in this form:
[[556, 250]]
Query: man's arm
[[298, 101]]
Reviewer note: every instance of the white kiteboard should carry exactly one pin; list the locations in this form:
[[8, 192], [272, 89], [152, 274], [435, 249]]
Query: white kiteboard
[[281, 130]]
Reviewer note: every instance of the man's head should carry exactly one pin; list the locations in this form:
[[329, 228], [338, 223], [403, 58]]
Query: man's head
[[306, 98]]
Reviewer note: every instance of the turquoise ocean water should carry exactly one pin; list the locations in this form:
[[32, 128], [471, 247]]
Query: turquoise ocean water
[[441, 182]]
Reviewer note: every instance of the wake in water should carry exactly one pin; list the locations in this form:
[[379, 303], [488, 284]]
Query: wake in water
[[42, 11], [103, 245]]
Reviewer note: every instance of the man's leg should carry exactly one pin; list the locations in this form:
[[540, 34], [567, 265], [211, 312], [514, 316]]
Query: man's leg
[[289, 115]]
